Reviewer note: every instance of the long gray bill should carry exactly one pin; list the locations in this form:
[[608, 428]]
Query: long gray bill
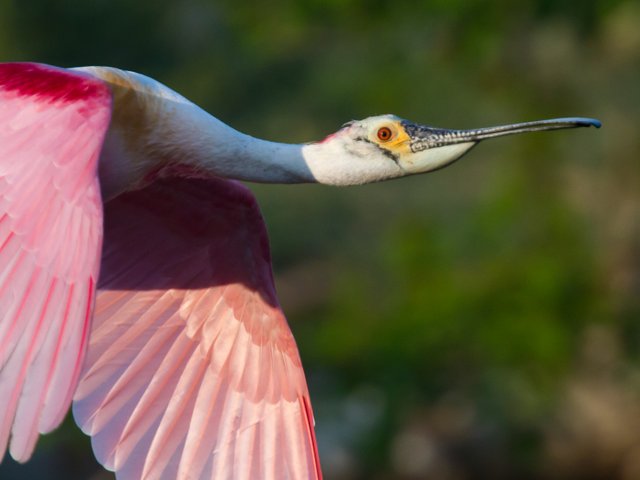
[[424, 137]]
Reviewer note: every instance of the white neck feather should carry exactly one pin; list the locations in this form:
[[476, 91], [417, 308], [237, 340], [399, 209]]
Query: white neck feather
[[228, 153]]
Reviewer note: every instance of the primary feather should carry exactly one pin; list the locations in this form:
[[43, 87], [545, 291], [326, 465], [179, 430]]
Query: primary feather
[[51, 129]]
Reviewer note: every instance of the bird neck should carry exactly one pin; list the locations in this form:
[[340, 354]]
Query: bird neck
[[205, 143], [242, 157], [155, 130]]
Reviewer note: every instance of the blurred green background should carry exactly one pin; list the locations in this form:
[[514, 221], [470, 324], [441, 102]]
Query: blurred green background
[[479, 322]]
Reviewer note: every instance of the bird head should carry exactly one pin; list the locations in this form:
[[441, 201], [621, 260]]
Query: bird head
[[386, 146]]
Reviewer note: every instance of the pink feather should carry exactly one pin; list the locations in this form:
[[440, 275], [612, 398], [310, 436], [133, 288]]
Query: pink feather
[[52, 126], [191, 370], [191, 360]]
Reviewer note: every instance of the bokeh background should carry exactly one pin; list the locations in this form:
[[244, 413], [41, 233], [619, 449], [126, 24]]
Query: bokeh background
[[479, 322]]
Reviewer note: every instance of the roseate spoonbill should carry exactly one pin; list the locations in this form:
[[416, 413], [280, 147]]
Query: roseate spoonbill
[[168, 338]]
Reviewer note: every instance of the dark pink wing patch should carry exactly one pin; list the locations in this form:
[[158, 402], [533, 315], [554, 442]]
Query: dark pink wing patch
[[192, 371], [46, 83], [52, 125]]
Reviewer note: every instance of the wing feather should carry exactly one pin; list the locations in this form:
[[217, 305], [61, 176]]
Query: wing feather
[[52, 125], [192, 371]]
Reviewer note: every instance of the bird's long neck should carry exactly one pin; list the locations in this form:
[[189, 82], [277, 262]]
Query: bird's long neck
[[153, 128], [225, 152]]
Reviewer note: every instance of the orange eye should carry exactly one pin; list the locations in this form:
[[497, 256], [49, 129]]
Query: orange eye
[[384, 134]]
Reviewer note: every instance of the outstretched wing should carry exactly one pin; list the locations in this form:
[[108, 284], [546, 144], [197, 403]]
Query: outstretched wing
[[52, 125], [192, 371]]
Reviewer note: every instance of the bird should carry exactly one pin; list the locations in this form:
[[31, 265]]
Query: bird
[[136, 285]]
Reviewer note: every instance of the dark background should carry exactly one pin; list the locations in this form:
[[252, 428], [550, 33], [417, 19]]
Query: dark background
[[479, 322]]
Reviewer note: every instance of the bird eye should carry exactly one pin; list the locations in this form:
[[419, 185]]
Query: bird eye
[[384, 134]]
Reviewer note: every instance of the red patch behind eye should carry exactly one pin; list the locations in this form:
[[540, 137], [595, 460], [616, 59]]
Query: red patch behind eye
[[49, 83], [328, 137]]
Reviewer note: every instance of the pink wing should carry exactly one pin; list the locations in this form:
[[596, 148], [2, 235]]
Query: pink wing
[[52, 124], [192, 371]]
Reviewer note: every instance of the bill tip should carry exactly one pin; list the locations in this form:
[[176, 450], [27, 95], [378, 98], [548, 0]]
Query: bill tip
[[591, 122]]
